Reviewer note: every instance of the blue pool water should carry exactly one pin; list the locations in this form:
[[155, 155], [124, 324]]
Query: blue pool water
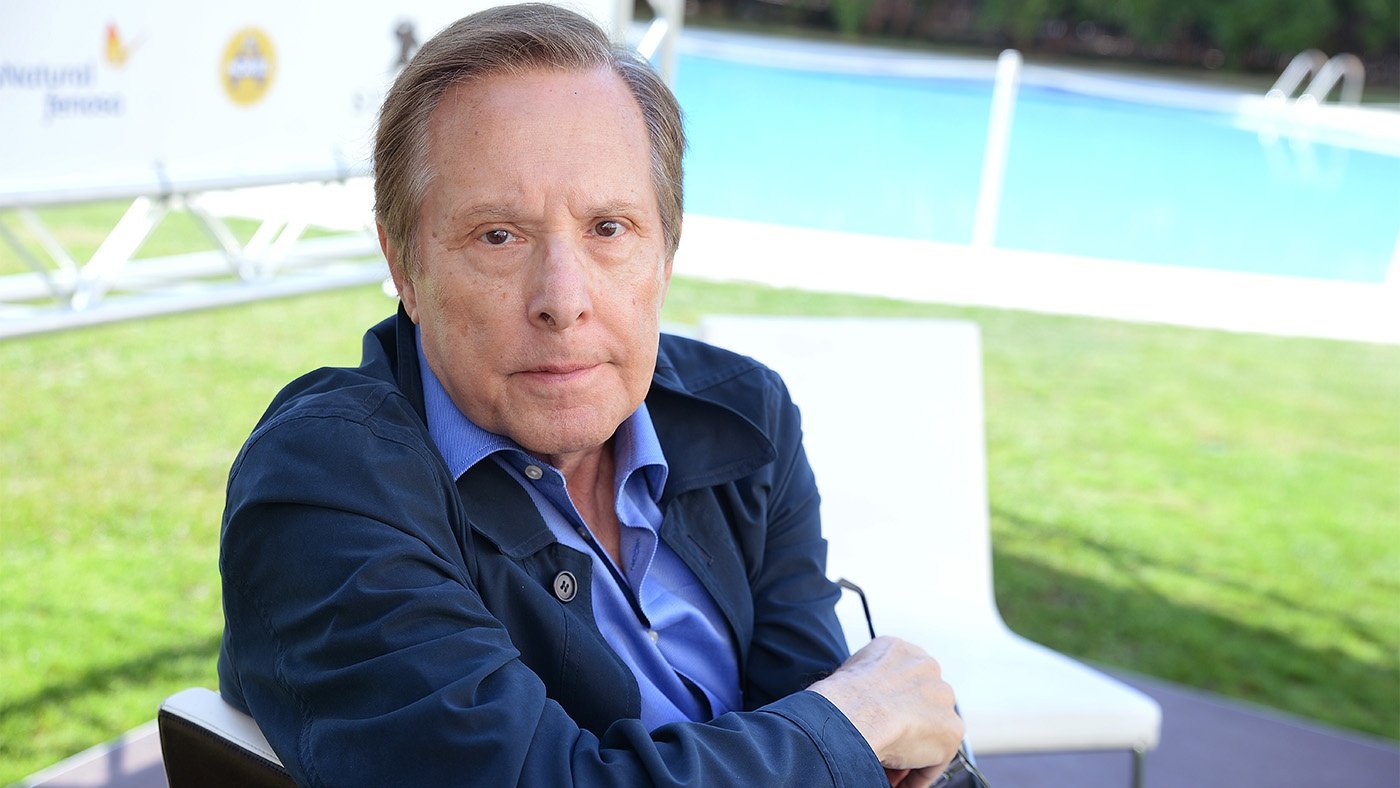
[[1090, 176]]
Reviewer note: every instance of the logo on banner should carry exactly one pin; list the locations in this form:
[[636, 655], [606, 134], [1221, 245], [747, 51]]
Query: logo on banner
[[73, 90], [117, 52], [408, 43], [248, 66], [365, 100]]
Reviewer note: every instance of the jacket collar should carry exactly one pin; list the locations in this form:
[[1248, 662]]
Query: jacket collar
[[390, 351], [706, 441]]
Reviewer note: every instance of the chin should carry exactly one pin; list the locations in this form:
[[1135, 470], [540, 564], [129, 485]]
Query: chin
[[565, 436]]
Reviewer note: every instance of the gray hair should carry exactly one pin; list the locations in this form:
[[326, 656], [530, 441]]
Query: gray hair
[[510, 39]]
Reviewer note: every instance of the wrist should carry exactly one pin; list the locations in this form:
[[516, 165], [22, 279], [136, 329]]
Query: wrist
[[869, 722]]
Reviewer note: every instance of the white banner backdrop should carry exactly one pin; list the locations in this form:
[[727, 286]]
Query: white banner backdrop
[[145, 97]]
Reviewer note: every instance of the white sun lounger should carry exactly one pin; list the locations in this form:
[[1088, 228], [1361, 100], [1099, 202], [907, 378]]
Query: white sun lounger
[[893, 418]]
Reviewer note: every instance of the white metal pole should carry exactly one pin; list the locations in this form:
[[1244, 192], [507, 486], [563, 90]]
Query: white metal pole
[[984, 222], [658, 43]]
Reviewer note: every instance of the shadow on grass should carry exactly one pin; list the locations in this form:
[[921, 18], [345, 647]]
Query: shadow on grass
[[148, 669], [1129, 562], [69, 715], [1136, 628]]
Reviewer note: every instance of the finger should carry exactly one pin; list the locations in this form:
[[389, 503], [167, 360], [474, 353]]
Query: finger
[[921, 778]]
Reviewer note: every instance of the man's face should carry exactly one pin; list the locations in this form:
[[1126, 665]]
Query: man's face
[[541, 265]]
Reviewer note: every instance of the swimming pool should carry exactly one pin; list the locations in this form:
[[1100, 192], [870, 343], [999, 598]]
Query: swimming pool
[[887, 153]]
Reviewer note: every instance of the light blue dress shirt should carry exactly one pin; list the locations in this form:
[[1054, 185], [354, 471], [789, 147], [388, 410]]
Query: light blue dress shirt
[[685, 662]]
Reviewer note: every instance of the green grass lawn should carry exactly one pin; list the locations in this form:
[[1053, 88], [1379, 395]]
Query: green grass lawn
[[1215, 509]]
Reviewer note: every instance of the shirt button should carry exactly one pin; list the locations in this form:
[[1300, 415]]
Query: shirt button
[[534, 472], [654, 635], [565, 586]]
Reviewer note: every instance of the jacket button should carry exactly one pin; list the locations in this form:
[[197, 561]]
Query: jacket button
[[565, 586]]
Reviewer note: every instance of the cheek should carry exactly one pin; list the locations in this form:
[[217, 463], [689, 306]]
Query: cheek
[[473, 303], [469, 331], [645, 289]]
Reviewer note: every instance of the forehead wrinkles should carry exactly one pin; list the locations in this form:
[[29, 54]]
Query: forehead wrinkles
[[534, 129], [571, 101]]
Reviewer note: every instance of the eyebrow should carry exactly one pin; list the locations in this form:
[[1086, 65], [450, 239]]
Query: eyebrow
[[621, 208], [484, 212], [490, 212]]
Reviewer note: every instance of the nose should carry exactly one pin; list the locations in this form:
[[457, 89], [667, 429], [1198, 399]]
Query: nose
[[559, 295]]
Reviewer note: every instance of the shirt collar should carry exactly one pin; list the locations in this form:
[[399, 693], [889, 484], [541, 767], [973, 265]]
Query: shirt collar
[[463, 444]]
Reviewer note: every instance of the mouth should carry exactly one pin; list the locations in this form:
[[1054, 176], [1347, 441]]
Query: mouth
[[558, 373]]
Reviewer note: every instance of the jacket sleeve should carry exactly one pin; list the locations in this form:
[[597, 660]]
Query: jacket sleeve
[[356, 639], [796, 638]]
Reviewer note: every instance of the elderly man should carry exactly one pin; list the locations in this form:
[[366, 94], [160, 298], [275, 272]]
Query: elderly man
[[530, 540]]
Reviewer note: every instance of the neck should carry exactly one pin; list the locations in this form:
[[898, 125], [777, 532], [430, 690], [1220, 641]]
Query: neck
[[590, 477]]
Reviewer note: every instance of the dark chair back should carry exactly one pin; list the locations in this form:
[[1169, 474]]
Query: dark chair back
[[207, 743]]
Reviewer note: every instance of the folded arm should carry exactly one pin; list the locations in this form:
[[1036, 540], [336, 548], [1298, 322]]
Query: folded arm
[[357, 641]]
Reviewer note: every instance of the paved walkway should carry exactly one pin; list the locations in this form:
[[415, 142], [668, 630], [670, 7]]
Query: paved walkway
[[914, 270], [1212, 742], [1207, 742]]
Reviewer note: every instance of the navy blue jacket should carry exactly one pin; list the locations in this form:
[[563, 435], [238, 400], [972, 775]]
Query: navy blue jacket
[[386, 625]]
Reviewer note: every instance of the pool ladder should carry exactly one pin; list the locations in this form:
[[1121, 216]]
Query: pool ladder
[[1325, 74]]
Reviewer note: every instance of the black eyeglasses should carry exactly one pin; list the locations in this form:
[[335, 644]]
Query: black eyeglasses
[[962, 762]]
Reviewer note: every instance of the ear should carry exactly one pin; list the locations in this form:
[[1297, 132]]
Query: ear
[[402, 281]]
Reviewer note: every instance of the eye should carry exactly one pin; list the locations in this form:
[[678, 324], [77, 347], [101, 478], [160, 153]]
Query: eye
[[609, 228], [496, 237]]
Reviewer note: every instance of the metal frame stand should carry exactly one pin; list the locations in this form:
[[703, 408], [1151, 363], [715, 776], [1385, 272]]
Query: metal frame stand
[[61, 293]]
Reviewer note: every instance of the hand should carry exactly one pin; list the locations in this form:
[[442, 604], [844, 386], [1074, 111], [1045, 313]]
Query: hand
[[895, 695]]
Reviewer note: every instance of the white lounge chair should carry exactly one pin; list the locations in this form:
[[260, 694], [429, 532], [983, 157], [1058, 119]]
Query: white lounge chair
[[893, 422]]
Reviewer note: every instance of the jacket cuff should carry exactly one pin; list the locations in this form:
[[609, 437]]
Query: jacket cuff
[[847, 755]]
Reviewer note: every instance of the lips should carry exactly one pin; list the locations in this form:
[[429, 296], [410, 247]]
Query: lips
[[561, 369], [558, 372]]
